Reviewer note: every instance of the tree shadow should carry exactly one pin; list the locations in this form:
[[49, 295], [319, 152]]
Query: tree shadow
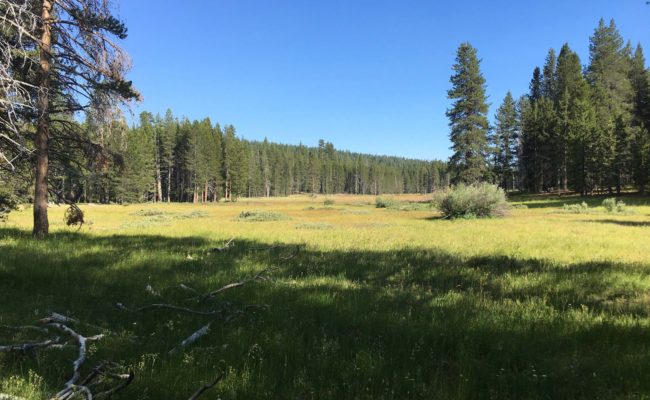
[[638, 224], [557, 201], [408, 323]]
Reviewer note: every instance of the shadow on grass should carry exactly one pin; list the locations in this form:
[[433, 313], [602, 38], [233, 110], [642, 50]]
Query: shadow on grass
[[558, 201], [638, 224], [413, 323]]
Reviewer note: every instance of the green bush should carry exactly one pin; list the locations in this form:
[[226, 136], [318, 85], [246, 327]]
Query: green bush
[[260, 215], [192, 215], [613, 206], [581, 208], [381, 202], [329, 202], [8, 203], [480, 200], [148, 213]]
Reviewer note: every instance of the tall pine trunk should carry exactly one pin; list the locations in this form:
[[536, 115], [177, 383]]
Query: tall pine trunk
[[41, 141], [159, 196], [169, 183]]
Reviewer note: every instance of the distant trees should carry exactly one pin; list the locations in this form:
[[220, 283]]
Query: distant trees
[[167, 159], [468, 118]]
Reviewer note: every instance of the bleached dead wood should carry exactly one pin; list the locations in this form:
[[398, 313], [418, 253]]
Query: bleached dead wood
[[187, 288], [192, 338], [4, 396], [259, 276], [125, 380], [54, 317], [226, 246], [24, 328], [50, 343], [205, 387], [209, 313], [70, 385]]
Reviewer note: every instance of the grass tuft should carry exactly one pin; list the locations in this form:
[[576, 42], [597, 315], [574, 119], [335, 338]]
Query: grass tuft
[[261, 215]]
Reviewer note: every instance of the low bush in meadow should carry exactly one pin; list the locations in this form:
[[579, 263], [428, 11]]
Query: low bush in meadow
[[260, 216], [613, 206], [582, 208], [382, 202], [472, 201]]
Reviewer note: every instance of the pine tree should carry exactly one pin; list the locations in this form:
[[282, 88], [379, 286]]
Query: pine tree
[[532, 138], [167, 144], [506, 137], [569, 86], [640, 134], [583, 131], [608, 74], [549, 84], [468, 117], [137, 180]]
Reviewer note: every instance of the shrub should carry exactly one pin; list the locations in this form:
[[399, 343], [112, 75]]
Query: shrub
[[610, 204], [329, 202], [481, 200], [260, 215], [192, 215], [381, 202], [8, 203], [613, 206], [148, 213], [581, 208]]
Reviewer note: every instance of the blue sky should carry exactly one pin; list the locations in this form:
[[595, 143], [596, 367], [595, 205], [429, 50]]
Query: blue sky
[[368, 75]]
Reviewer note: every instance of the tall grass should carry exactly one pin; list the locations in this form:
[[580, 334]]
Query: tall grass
[[385, 305]]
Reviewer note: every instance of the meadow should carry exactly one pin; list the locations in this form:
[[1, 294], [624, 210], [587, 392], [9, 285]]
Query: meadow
[[356, 301]]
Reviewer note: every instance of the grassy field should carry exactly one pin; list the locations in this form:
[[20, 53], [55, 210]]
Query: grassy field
[[363, 302]]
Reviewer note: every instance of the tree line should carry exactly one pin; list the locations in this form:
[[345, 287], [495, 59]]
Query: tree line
[[581, 128], [164, 158]]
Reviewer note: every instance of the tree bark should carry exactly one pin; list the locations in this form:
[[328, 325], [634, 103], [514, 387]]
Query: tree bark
[[169, 183], [41, 140], [159, 196]]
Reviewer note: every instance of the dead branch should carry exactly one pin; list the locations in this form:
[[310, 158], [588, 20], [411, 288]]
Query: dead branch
[[24, 328], [81, 341], [192, 338], [178, 308], [226, 246], [126, 380], [50, 343], [187, 288], [152, 291], [210, 313], [54, 317], [100, 371], [259, 276], [205, 387], [4, 396]]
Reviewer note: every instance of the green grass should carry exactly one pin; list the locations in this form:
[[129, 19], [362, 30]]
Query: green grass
[[383, 304]]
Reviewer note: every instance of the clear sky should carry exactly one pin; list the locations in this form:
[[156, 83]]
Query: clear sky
[[368, 75]]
